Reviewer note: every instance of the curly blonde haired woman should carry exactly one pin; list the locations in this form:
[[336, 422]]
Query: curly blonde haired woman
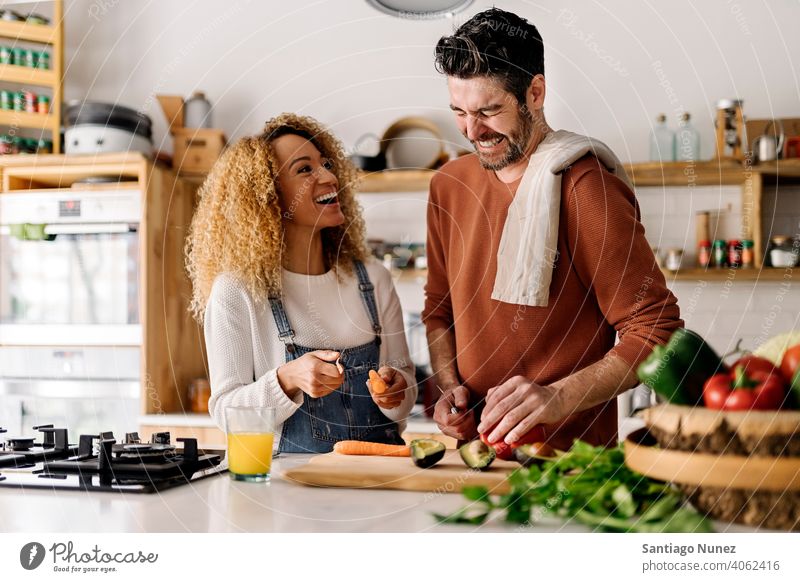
[[295, 310]]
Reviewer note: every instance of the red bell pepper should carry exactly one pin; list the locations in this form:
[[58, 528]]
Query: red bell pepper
[[752, 384], [505, 451]]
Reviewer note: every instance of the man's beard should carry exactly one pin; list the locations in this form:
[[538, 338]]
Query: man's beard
[[516, 141]]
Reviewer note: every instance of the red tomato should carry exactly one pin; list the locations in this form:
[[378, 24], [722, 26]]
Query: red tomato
[[790, 362], [753, 364], [505, 451]]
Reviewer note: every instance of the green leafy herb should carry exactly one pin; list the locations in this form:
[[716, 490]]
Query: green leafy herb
[[591, 485]]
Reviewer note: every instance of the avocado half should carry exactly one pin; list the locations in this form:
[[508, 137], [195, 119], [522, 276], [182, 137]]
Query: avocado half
[[534, 454], [477, 455], [426, 452]]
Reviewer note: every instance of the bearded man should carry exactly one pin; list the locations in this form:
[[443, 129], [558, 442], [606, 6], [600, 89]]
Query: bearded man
[[543, 294]]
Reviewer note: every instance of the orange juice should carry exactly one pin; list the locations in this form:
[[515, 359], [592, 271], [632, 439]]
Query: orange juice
[[249, 453]]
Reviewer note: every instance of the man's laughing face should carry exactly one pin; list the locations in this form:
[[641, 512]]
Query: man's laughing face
[[492, 119]]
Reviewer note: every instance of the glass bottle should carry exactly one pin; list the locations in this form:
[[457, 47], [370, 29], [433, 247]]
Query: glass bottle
[[688, 141], [662, 141]]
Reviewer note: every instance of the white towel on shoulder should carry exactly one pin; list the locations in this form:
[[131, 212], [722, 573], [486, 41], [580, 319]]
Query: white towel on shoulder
[[529, 241]]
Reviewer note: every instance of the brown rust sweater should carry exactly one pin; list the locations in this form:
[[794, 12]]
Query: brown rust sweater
[[606, 285]]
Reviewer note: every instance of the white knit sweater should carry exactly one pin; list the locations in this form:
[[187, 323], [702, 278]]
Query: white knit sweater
[[244, 351]]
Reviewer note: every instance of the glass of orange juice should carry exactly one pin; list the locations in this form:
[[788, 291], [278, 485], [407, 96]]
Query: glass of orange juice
[[250, 437]]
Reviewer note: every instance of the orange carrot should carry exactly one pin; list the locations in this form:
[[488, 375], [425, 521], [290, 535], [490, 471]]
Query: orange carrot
[[378, 385], [367, 448]]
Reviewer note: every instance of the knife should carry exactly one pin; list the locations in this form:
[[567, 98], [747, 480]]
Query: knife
[[453, 408]]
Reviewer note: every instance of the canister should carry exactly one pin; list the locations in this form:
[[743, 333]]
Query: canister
[[6, 100], [674, 258], [43, 60]]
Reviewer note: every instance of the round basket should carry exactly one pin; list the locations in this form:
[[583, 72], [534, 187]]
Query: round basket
[[734, 466]]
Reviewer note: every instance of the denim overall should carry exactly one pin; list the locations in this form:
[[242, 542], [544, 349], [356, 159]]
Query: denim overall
[[348, 413]]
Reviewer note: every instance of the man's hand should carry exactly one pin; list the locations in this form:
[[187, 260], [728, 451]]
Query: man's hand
[[459, 425], [395, 388], [516, 406]]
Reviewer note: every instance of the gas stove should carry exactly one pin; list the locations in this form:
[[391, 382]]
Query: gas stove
[[99, 463]]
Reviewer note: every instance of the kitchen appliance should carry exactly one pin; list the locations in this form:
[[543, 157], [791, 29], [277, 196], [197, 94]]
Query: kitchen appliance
[[94, 127], [99, 463], [769, 147], [24, 452], [70, 331]]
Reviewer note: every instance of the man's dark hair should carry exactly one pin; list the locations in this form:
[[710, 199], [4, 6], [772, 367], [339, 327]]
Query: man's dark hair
[[494, 43]]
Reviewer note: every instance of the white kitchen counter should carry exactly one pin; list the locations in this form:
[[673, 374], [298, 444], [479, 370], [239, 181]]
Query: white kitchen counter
[[218, 504]]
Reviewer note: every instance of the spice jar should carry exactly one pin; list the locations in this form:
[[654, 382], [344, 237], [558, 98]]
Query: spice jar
[[748, 254], [704, 254], [43, 104], [43, 60], [30, 101], [720, 253], [199, 393], [674, 258], [735, 254]]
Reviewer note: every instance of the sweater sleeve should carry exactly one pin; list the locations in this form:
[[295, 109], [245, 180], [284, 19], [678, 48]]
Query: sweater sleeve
[[438, 310], [613, 259], [394, 348], [228, 326]]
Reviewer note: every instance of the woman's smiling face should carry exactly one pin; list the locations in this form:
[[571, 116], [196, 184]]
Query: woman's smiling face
[[307, 186]]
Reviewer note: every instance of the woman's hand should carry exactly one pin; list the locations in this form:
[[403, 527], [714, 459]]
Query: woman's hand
[[395, 388], [314, 373]]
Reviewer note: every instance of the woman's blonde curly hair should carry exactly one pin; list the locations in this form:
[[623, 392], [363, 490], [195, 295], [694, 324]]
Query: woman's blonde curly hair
[[237, 227]]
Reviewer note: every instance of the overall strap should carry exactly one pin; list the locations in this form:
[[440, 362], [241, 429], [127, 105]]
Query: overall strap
[[368, 296], [285, 331]]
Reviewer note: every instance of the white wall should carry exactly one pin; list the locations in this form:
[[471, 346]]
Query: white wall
[[357, 69], [611, 67]]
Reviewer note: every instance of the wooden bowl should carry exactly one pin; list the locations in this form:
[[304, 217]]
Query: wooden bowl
[[766, 433]]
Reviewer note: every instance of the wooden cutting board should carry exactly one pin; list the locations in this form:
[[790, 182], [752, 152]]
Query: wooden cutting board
[[365, 472]]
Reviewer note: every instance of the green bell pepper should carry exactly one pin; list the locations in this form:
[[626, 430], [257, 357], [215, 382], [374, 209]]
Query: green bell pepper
[[678, 370]]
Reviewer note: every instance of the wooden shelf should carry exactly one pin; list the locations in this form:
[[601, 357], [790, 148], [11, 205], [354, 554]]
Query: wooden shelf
[[52, 35], [25, 119], [780, 168], [713, 275], [396, 181], [648, 174], [25, 172], [27, 75], [710, 173], [42, 33]]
